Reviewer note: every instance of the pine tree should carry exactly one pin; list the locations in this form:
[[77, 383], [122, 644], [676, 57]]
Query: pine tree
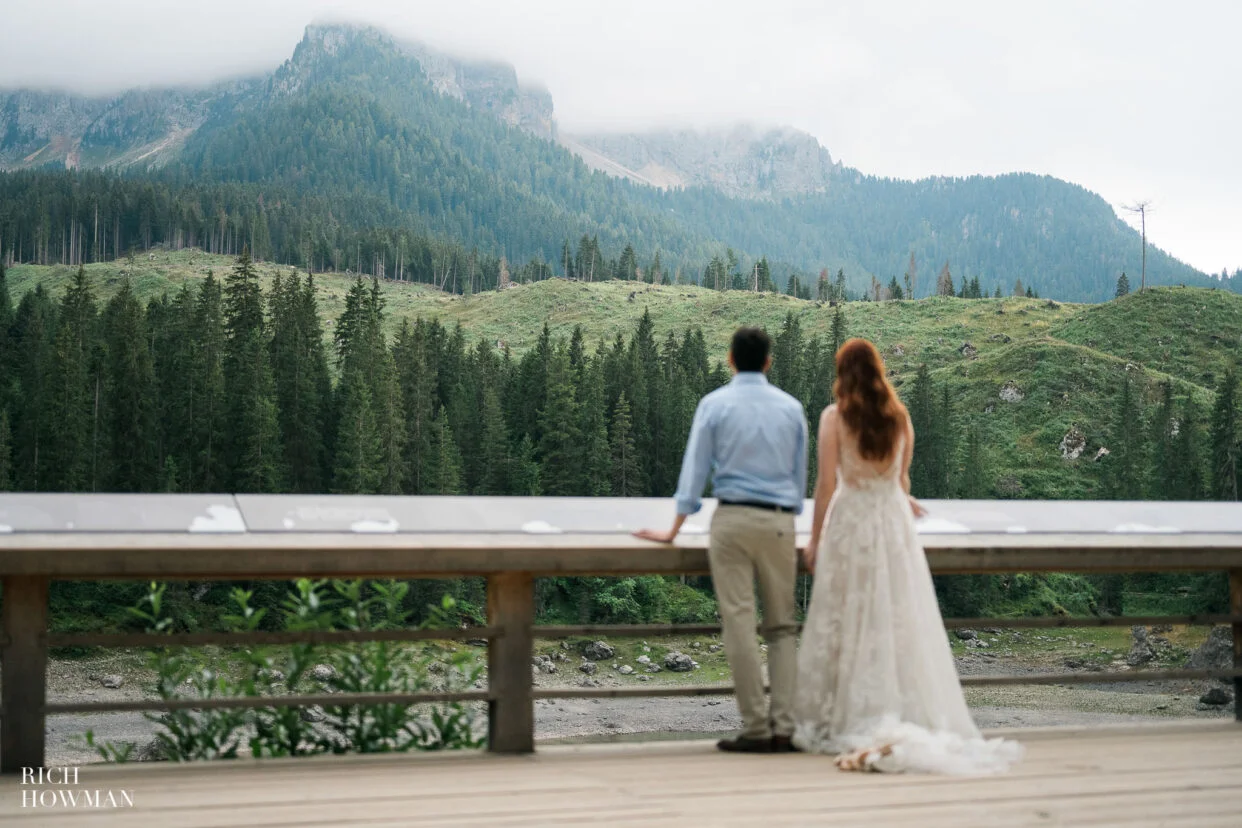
[[170, 476], [1224, 451], [975, 482], [840, 285], [301, 381], [1030, 294], [207, 427], [1017, 288], [129, 388], [254, 448], [444, 470], [560, 446], [823, 288], [577, 351], [627, 265], [386, 395], [787, 352], [976, 291], [646, 393], [1124, 478], [997, 294], [945, 444], [493, 446], [6, 453], [593, 426], [524, 470], [912, 277], [358, 459], [1188, 482], [894, 290], [924, 471], [626, 471], [1163, 463], [390, 420], [839, 334], [74, 421], [33, 332], [8, 349], [167, 324], [1123, 286]]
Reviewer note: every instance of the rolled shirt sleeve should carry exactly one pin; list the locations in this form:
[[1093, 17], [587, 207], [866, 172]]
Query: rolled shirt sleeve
[[800, 461], [696, 465]]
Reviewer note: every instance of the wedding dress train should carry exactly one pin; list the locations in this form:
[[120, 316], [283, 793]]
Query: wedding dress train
[[874, 666]]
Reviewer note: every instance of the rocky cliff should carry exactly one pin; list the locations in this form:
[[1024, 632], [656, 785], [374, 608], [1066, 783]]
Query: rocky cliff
[[141, 127], [742, 161]]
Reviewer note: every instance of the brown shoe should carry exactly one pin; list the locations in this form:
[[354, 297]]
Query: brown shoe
[[745, 744], [784, 744]]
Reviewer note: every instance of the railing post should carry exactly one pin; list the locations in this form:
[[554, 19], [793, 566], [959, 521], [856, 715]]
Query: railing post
[[1235, 609], [23, 664], [511, 707]]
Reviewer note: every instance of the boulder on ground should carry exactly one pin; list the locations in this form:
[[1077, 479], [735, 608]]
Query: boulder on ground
[[1214, 654], [1216, 697], [1141, 650], [598, 651], [323, 672], [678, 662]]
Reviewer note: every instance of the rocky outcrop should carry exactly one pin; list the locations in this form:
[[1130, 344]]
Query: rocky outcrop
[[742, 161], [141, 128], [1073, 443]]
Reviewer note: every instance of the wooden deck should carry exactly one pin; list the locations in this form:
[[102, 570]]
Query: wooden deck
[[1178, 775]]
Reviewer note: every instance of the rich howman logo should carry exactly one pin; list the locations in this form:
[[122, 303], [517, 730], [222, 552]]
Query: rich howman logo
[[60, 788]]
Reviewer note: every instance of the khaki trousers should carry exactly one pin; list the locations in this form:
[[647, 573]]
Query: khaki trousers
[[745, 542]]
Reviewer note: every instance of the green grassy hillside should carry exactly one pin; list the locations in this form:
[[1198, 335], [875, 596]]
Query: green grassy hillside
[[930, 330], [1067, 360], [1192, 333]]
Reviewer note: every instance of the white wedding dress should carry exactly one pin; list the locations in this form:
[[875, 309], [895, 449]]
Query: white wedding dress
[[874, 665]]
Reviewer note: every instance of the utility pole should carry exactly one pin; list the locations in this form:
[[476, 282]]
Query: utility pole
[[1141, 208]]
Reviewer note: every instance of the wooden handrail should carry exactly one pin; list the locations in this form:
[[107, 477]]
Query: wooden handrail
[[226, 639], [511, 559]]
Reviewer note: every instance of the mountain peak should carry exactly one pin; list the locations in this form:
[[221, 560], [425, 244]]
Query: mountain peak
[[490, 86]]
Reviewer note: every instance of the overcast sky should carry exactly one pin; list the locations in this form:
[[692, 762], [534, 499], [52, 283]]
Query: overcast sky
[[1133, 100]]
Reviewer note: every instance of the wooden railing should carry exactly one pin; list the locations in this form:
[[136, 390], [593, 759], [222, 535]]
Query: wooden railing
[[96, 537]]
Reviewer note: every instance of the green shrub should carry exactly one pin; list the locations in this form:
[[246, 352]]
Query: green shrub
[[372, 667]]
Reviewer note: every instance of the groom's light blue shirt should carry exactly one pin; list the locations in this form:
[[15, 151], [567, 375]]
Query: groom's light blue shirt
[[751, 437]]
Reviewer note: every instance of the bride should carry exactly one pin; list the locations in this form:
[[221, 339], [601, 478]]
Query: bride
[[877, 685]]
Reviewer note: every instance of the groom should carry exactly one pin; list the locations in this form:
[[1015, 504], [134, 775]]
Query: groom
[[752, 438]]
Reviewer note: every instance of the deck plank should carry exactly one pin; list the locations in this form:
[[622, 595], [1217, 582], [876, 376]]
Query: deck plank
[[1177, 776]]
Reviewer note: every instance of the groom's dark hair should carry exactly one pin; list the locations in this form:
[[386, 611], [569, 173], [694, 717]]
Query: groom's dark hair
[[750, 349]]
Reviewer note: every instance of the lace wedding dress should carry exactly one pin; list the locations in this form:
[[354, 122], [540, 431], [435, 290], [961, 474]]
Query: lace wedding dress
[[874, 665]]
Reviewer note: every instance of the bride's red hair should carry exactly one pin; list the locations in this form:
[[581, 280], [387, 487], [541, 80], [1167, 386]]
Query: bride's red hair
[[866, 401]]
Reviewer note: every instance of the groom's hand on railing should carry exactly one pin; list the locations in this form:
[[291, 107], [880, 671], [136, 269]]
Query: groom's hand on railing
[[662, 537]]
